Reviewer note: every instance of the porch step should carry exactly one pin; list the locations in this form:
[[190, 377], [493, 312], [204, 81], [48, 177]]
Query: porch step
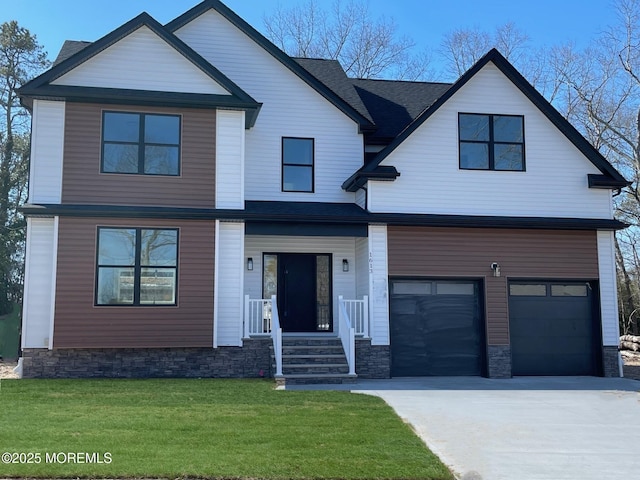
[[313, 368], [312, 350], [309, 360], [304, 379]]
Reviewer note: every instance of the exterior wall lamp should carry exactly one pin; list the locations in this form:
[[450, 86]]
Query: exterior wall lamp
[[496, 269], [345, 265], [250, 263]]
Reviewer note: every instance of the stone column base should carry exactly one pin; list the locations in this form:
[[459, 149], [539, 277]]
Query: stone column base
[[499, 361], [610, 361]]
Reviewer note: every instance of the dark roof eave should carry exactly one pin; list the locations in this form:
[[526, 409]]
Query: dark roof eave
[[321, 213], [118, 96], [360, 178], [606, 182]]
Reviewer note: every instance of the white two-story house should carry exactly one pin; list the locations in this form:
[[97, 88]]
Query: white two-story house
[[202, 204]]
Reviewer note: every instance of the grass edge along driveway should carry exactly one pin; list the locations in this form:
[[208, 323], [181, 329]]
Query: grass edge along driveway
[[208, 428]]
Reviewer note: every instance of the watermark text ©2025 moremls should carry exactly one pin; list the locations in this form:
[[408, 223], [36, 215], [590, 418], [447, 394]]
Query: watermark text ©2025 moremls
[[96, 458]]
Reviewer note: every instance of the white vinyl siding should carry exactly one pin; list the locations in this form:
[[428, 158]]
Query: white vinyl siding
[[228, 305], [142, 61], [47, 150], [291, 108], [361, 198], [378, 285], [608, 290], [230, 159], [553, 185], [344, 283], [39, 281], [362, 267]]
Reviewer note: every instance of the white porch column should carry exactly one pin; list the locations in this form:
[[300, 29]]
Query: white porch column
[[230, 137], [378, 285], [228, 286], [608, 301], [40, 283], [608, 290]]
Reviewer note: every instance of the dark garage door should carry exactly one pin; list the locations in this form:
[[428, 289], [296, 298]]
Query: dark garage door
[[553, 330], [437, 328]]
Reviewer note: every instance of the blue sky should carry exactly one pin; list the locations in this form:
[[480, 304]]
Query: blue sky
[[547, 22]]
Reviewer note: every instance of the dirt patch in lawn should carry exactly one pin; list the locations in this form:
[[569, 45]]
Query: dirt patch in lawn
[[631, 364], [6, 369]]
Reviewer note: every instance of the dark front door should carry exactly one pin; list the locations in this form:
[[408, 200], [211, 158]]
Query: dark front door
[[303, 288], [297, 292]]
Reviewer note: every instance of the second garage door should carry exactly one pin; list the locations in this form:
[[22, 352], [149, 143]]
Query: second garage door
[[437, 327], [553, 328]]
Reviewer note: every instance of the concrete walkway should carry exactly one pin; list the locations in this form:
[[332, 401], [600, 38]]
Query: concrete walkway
[[523, 428]]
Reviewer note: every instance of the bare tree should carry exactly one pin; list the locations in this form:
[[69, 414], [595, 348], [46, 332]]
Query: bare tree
[[365, 47], [21, 57], [463, 47]]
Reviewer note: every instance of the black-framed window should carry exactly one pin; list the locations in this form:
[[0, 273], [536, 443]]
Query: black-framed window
[[140, 143], [136, 266], [491, 142], [297, 164]]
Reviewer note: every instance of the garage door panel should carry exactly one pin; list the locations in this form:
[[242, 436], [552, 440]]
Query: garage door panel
[[436, 333], [553, 329]]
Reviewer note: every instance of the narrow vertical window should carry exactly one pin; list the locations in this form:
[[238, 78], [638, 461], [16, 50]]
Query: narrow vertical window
[[297, 164]]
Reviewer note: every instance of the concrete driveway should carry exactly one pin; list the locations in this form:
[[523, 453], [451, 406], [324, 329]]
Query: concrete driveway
[[523, 428]]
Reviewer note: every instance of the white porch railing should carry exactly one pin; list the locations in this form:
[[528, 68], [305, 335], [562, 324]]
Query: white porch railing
[[347, 335], [258, 313], [276, 335], [358, 312]]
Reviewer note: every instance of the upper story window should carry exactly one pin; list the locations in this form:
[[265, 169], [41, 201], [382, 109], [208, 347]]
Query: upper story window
[[136, 266], [297, 164], [491, 142], [140, 143]]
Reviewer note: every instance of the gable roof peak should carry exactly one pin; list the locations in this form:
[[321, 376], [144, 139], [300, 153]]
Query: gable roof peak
[[203, 7], [613, 178]]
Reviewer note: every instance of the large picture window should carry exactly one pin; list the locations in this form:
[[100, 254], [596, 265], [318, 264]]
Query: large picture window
[[136, 266], [491, 142], [140, 143], [297, 164]]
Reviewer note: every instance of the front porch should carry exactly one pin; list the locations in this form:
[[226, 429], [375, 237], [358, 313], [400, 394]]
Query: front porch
[[305, 288], [303, 358]]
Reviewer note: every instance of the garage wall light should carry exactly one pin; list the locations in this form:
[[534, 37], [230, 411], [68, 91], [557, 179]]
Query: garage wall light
[[345, 265], [250, 263], [496, 269]]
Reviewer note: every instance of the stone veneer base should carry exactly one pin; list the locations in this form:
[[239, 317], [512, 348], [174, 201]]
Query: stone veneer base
[[610, 361], [251, 360], [499, 361], [372, 361]]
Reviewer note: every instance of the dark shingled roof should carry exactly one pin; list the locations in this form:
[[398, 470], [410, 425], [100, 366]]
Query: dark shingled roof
[[330, 73], [69, 48], [394, 104]]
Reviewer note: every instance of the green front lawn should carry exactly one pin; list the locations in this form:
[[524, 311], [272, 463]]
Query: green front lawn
[[10, 333], [204, 428]]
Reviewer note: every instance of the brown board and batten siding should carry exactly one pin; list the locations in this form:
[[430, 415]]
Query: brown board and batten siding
[[82, 182], [80, 324], [469, 252]]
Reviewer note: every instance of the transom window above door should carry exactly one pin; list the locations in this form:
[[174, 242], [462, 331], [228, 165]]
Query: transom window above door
[[140, 143], [491, 142], [297, 164]]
